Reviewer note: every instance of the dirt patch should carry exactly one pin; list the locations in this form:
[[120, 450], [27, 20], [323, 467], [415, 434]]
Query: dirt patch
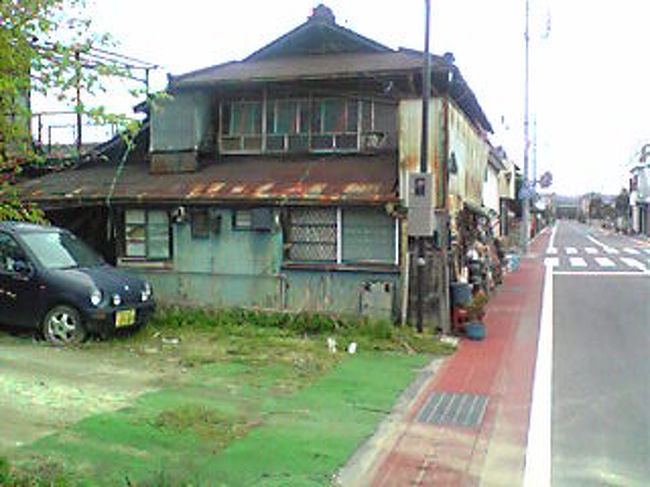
[[45, 388]]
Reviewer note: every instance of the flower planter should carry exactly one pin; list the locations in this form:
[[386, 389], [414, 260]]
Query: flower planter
[[475, 330]]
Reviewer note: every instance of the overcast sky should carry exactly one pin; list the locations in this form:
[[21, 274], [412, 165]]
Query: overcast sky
[[589, 74]]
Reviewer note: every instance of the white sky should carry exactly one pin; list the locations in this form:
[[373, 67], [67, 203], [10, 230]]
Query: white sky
[[588, 78]]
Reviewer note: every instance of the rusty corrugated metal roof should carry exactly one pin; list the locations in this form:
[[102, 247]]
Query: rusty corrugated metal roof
[[326, 179]]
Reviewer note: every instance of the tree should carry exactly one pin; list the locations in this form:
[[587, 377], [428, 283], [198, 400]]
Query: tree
[[46, 46]]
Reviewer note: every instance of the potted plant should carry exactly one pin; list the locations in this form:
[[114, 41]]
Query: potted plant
[[474, 328]]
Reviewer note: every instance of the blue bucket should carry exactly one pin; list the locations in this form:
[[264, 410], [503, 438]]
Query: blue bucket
[[475, 330]]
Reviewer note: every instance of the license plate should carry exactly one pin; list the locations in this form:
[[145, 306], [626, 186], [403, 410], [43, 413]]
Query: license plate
[[125, 318]]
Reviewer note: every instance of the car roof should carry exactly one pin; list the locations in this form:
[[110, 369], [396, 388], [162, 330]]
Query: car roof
[[23, 227]]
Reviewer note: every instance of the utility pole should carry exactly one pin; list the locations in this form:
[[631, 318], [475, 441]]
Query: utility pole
[[424, 156], [525, 187]]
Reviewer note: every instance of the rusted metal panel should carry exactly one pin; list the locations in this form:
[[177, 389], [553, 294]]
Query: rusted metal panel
[[470, 151], [410, 137], [327, 179]]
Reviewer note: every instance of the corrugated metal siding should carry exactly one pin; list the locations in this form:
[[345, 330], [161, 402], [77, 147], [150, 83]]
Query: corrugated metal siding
[[471, 153], [410, 133]]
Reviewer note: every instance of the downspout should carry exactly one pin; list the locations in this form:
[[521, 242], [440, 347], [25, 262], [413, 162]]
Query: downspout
[[405, 270]]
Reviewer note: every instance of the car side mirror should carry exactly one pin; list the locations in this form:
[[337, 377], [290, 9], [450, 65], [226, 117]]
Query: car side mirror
[[22, 267]]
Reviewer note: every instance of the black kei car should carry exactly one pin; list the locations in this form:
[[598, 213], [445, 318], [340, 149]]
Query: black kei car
[[51, 281]]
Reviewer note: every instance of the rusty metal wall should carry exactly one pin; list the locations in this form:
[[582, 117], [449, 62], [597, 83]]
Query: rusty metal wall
[[410, 136], [470, 151]]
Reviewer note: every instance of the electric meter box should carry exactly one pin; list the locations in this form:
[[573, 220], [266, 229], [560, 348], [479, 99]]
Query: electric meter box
[[419, 201]]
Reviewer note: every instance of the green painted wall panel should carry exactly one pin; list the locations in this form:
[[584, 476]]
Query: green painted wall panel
[[243, 268], [182, 122]]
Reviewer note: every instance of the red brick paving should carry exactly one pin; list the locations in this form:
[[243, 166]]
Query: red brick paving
[[500, 366]]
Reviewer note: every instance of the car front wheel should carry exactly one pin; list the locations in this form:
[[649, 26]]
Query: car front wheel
[[62, 326]]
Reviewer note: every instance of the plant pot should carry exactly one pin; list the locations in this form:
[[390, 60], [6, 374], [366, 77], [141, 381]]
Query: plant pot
[[475, 330]]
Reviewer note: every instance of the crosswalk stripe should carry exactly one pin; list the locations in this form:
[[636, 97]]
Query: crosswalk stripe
[[611, 251], [551, 251], [605, 262], [631, 251], [571, 250], [577, 262], [634, 263], [647, 251], [591, 250]]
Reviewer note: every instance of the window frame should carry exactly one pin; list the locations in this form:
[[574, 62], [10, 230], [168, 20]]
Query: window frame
[[307, 131], [146, 224], [339, 261], [19, 248]]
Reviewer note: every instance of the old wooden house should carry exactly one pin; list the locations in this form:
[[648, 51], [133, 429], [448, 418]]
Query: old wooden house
[[278, 181]]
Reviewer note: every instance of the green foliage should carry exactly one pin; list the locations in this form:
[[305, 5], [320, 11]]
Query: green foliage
[[236, 322], [12, 209], [44, 48]]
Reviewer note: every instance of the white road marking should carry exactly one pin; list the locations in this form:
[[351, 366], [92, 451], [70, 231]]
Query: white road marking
[[634, 263], [602, 273], [591, 250], [538, 450], [577, 262], [631, 251], [571, 250], [551, 242], [605, 262], [647, 251], [605, 247], [552, 262]]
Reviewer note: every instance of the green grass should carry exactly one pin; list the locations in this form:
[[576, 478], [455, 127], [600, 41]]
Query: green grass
[[261, 402]]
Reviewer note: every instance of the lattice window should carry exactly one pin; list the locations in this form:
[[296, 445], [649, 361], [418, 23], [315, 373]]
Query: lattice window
[[312, 234]]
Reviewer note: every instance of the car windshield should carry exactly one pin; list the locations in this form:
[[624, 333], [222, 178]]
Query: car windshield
[[61, 250]]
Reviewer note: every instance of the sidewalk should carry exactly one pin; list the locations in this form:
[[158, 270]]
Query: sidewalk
[[500, 368]]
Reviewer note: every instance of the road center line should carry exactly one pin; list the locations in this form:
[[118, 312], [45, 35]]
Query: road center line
[[537, 471]]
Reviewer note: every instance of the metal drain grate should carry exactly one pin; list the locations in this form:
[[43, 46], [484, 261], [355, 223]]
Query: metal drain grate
[[445, 408]]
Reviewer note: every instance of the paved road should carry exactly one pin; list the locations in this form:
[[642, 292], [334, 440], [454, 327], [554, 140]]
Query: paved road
[[600, 432]]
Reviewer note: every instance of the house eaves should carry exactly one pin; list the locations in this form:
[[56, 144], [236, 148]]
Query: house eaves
[[345, 180]]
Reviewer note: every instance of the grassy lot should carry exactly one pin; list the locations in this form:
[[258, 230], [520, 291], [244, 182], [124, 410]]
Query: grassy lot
[[254, 400]]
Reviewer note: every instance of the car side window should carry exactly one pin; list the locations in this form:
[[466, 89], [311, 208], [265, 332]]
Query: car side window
[[10, 253]]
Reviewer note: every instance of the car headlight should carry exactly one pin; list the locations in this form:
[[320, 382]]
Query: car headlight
[[146, 292], [96, 297], [117, 300]]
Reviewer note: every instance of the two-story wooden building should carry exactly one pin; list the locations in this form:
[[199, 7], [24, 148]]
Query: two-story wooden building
[[278, 181]]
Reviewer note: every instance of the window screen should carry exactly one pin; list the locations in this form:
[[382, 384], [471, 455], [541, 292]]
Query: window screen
[[312, 234]]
